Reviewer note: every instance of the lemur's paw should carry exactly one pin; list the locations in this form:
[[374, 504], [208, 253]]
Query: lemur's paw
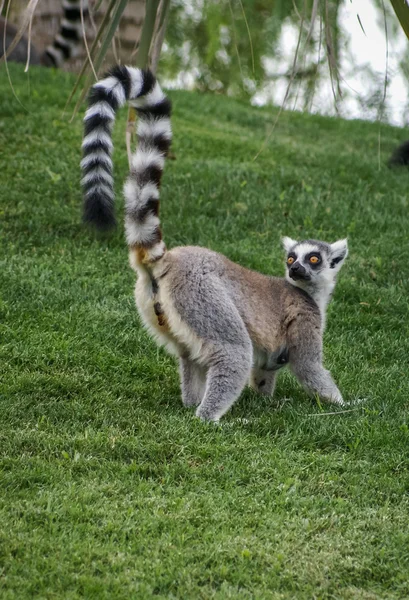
[[206, 415], [337, 400]]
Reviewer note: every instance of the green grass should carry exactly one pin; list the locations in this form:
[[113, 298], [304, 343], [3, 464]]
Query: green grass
[[108, 487]]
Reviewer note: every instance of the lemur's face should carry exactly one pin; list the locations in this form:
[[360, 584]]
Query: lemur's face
[[312, 263]]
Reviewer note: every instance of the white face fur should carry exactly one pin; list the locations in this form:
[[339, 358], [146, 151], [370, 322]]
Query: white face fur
[[313, 265]]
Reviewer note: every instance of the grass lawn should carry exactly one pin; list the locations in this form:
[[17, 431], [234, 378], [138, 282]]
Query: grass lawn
[[109, 488]]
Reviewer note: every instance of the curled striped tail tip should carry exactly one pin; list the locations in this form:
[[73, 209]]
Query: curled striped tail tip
[[98, 215]]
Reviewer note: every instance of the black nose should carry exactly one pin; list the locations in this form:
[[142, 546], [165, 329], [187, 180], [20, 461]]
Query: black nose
[[297, 268], [297, 271]]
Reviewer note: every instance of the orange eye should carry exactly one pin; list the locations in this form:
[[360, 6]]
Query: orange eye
[[290, 260], [314, 260]]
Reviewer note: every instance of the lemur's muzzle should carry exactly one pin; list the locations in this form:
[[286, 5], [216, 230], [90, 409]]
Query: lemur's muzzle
[[297, 272]]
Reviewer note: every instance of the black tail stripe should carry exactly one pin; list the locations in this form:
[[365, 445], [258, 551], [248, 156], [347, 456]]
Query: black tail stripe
[[97, 122], [106, 199], [162, 109], [122, 74], [90, 168], [95, 146], [151, 174], [51, 57], [97, 180], [73, 14], [98, 210], [64, 49], [151, 207], [70, 34], [99, 94], [160, 142], [148, 82]]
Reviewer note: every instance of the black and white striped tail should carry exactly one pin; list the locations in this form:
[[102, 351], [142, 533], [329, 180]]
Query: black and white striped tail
[[68, 40], [141, 189]]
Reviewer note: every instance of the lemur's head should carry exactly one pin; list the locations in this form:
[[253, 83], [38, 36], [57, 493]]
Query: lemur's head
[[313, 265]]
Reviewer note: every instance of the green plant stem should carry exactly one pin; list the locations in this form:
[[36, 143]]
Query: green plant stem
[[142, 58]]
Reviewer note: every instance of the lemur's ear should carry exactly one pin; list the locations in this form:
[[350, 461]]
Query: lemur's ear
[[338, 253], [288, 243]]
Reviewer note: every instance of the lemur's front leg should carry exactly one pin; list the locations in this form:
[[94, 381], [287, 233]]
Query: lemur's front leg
[[316, 379], [305, 356]]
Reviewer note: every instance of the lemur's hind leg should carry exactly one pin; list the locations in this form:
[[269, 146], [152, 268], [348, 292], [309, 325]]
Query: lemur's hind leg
[[306, 363], [193, 382], [205, 306], [263, 381], [229, 370]]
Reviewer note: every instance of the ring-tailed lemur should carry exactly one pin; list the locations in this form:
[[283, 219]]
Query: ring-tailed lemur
[[65, 45], [227, 324], [68, 40]]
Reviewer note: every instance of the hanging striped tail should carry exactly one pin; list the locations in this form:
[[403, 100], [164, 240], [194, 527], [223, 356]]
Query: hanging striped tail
[[141, 189], [68, 40]]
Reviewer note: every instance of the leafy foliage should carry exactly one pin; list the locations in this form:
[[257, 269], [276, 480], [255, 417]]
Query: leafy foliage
[[223, 43]]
